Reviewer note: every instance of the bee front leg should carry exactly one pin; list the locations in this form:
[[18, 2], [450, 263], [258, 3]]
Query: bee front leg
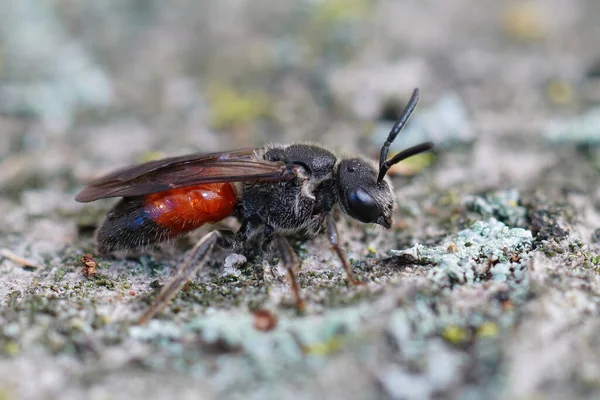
[[268, 234], [290, 262], [334, 239], [192, 263]]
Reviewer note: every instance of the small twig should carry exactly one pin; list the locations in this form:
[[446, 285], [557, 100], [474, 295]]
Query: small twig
[[23, 262]]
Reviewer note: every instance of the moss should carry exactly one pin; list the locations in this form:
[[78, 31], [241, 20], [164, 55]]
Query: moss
[[455, 334], [59, 274], [487, 329], [11, 348], [125, 285], [335, 11], [334, 344], [250, 270], [102, 280], [230, 107], [310, 274], [224, 280]]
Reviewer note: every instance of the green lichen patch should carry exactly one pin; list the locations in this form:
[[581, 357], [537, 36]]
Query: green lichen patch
[[293, 342], [502, 205], [487, 250]]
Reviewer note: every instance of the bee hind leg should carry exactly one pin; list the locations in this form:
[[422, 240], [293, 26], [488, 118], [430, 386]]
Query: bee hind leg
[[192, 263]]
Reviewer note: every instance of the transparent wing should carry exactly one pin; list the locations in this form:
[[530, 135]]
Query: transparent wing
[[177, 172]]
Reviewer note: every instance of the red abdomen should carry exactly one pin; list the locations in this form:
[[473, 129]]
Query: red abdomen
[[183, 210]]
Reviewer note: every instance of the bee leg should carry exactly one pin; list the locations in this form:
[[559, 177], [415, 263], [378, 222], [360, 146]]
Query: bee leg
[[229, 241], [290, 261], [246, 238], [334, 239], [192, 263], [268, 234]]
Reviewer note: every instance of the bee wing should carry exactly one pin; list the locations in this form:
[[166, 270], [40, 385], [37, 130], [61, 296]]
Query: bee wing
[[177, 172]]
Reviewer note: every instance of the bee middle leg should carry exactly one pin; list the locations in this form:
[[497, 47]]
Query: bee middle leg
[[290, 261], [334, 239]]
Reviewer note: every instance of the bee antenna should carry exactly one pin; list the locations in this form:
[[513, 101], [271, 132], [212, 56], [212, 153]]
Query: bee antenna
[[384, 165], [403, 155], [408, 110]]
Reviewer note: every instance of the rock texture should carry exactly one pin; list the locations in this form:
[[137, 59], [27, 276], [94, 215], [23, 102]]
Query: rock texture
[[485, 287]]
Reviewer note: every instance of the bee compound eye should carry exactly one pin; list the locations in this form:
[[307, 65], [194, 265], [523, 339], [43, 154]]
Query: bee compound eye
[[362, 206]]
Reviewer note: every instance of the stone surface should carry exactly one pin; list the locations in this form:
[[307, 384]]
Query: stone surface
[[485, 287]]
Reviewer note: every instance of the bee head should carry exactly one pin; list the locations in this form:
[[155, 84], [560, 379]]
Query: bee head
[[361, 195], [364, 191]]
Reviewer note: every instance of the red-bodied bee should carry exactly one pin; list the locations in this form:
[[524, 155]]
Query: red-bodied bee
[[275, 192]]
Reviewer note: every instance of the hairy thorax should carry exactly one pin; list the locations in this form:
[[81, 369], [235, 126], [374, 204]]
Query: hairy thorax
[[297, 205]]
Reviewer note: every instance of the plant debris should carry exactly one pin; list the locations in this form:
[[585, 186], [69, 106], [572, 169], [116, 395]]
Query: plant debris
[[264, 320], [89, 266], [23, 262]]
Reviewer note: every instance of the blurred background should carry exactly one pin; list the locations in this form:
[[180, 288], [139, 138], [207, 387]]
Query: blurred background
[[510, 94], [87, 85]]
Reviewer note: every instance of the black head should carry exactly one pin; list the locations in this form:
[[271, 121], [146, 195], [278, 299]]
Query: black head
[[364, 192], [361, 196]]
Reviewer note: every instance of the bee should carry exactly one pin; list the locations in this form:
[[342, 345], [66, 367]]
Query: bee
[[275, 192]]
